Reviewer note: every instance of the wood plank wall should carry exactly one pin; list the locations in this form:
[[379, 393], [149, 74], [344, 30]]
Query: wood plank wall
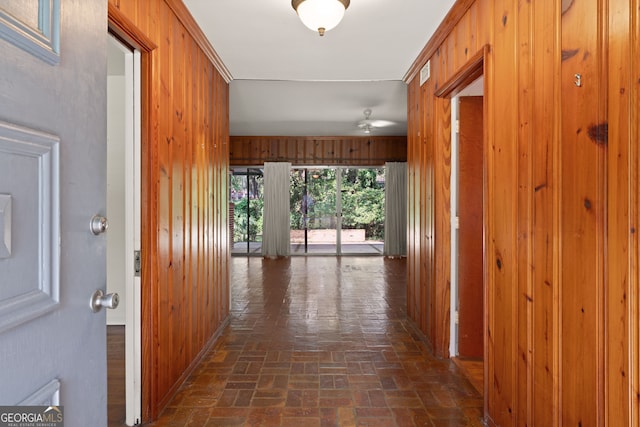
[[317, 150], [561, 204], [185, 277]]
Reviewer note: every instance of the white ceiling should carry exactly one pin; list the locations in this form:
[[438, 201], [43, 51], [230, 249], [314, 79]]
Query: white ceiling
[[287, 80]]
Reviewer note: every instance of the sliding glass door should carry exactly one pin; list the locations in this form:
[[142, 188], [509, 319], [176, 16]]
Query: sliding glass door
[[337, 211], [362, 199], [314, 218], [333, 210], [246, 197]]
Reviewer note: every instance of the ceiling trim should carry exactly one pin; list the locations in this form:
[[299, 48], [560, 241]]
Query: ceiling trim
[[452, 18], [185, 17]]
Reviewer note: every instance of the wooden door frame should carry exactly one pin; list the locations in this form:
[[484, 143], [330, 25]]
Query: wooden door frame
[[123, 29], [478, 65]]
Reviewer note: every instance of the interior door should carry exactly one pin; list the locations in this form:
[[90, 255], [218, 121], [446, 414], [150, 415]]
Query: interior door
[[470, 248], [52, 182]]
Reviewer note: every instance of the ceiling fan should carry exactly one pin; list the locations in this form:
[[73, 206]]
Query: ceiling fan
[[367, 125]]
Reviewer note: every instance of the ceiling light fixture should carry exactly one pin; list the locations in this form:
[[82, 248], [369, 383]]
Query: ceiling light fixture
[[320, 15]]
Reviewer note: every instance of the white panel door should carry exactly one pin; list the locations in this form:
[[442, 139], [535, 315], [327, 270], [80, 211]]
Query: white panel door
[[52, 181]]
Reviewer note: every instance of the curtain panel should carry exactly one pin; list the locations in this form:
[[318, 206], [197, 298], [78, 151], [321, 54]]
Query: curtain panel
[[395, 222], [276, 224]]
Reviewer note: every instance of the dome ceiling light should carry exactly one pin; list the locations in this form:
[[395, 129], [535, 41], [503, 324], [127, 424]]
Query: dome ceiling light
[[320, 15]]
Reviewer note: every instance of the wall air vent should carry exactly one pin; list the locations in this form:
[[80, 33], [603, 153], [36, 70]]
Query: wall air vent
[[425, 73]]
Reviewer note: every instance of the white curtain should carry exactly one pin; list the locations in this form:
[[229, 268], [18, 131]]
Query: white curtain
[[275, 226], [395, 222]]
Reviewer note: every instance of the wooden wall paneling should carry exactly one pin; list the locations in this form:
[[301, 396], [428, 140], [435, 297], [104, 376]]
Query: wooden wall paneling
[[412, 108], [176, 202], [309, 150], [502, 253], [165, 241], [196, 202], [423, 282], [425, 150], [413, 161], [299, 152], [563, 205], [443, 59], [410, 133], [634, 213], [180, 269], [211, 288], [489, 272], [461, 40], [419, 296], [430, 174], [472, 44], [486, 10], [190, 207], [192, 199], [207, 300], [222, 200], [222, 204], [584, 140], [213, 160], [441, 292], [620, 369], [524, 277], [204, 284], [545, 36], [181, 82], [225, 158], [318, 153], [452, 54]]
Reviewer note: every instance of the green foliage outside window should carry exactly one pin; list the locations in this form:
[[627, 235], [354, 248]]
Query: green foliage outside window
[[363, 201], [240, 220]]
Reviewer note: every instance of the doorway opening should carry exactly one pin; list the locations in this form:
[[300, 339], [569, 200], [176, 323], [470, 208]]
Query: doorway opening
[[467, 268], [465, 91], [123, 236]]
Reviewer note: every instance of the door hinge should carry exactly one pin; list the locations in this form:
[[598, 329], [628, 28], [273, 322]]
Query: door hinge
[[457, 222], [457, 126], [456, 317], [137, 263]]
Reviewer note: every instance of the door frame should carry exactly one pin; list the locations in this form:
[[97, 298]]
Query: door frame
[[127, 282], [125, 31], [477, 65]]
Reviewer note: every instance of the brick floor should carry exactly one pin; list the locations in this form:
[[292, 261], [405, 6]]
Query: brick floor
[[322, 341]]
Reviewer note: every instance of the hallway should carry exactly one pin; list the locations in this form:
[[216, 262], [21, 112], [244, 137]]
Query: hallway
[[322, 341]]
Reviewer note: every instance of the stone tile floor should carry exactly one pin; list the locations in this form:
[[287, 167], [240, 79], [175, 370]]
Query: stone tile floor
[[322, 341]]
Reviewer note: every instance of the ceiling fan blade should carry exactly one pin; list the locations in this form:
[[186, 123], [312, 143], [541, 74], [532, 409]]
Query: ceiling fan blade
[[367, 124], [381, 123]]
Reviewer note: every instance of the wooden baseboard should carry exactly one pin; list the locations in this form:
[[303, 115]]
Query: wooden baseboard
[[192, 366]]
